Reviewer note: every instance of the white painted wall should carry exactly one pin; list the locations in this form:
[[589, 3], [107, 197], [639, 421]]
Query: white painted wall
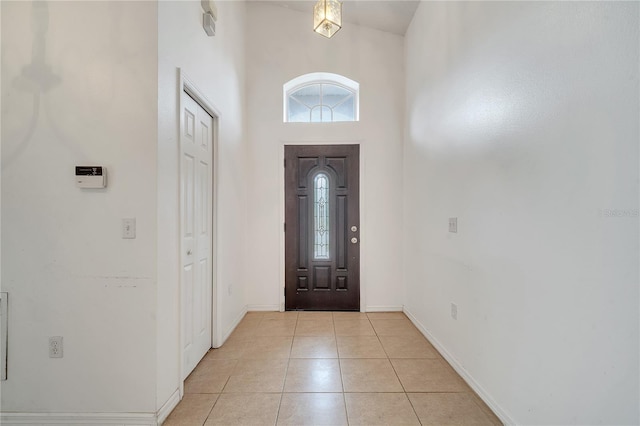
[[216, 66], [522, 121], [64, 264], [280, 46], [2, 316]]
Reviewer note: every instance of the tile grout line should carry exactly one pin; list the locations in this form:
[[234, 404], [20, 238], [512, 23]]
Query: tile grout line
[[211, 410], [220, 393], [280, 402], [286, 371], [398, 377], [344, 396], [335, 339], [414, 409]]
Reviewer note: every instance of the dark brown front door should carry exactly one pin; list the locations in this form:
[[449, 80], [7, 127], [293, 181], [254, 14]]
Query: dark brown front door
[[322, 226]]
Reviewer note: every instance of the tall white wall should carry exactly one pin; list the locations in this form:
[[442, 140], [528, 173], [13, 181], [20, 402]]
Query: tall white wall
[[66, 268], [523, 122], [281, 45], [216, 66]]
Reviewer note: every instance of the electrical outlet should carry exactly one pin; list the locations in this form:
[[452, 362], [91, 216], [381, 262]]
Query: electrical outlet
[[55, 347], [453, 225], [454, 311]]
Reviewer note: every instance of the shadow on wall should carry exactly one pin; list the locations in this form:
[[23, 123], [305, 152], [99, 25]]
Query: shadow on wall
[[36, 77]]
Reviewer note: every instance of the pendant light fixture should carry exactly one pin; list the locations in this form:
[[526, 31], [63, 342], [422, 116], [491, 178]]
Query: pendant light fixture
[[327, 17]]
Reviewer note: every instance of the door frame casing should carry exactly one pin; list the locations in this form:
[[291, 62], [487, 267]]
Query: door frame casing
[[187, 86], [362, 220]]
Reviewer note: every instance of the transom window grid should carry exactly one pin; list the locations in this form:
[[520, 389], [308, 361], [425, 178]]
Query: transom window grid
[[320, 97], [321, 103]]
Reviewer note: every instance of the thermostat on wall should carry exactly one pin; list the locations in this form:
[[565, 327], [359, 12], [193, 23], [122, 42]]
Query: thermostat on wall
[[91, 177]]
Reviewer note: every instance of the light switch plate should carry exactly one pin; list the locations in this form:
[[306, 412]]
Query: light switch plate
[[129, 228], [453, 224]]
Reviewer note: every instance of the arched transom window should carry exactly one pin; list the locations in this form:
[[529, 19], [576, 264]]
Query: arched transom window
[[320, 98]]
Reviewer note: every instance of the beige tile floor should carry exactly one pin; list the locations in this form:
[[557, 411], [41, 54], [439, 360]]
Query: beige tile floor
[[327, 368]]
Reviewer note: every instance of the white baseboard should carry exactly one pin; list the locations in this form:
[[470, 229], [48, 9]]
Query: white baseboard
[[262, 308], [276, 308], [226, 335], [482, 393], [168, 407], [383, 309], [121, 419]]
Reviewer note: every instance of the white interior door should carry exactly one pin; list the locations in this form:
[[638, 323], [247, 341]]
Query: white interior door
[[196, 156]]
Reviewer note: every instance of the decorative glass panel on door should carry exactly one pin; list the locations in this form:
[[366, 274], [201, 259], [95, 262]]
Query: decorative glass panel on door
[[321, 216]]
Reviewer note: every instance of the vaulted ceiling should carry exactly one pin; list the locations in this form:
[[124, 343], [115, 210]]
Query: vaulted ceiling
[[392, 16]]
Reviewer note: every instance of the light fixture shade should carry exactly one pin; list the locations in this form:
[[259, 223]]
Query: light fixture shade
[[327, 17]]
